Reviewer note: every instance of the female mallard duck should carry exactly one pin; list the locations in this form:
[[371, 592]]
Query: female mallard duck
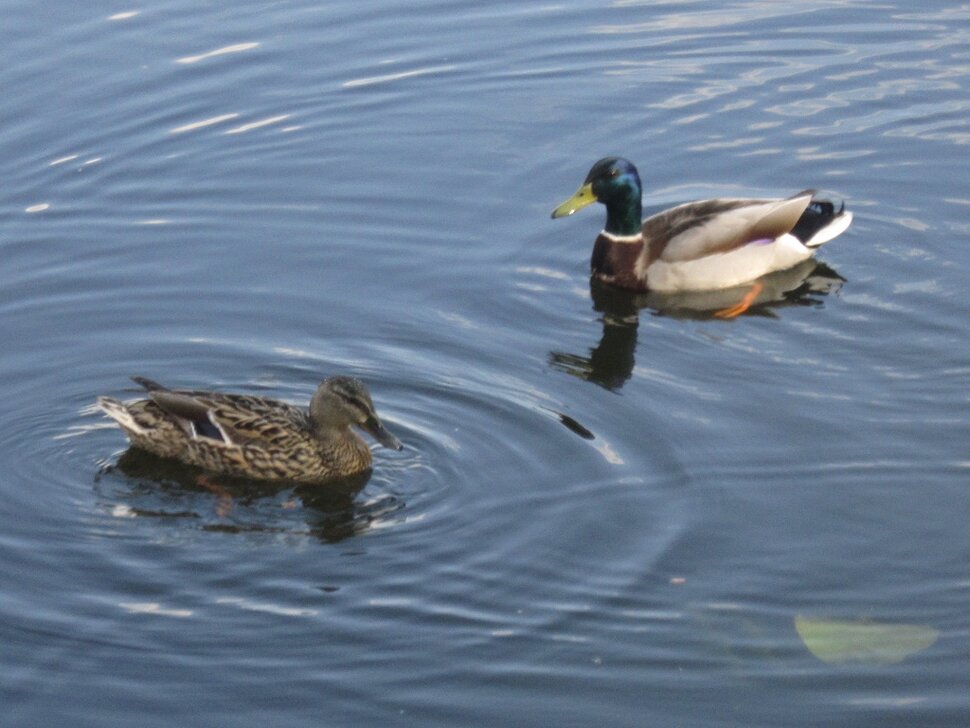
[[704, 245], [255, 437]]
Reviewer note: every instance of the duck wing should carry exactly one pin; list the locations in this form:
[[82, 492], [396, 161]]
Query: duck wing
[[233, 420], [698, 229], [259, 422]]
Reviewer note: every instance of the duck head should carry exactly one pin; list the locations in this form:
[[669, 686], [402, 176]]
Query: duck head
[[614, 182], [343, 401]]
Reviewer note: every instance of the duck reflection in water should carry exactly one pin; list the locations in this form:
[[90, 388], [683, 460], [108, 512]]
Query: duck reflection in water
[[610, 363], [165, 488]]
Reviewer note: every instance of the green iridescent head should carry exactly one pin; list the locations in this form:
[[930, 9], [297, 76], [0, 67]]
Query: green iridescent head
[[614, 182]]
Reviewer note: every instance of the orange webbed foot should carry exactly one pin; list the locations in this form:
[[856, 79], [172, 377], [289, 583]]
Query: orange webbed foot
[[743, 305], [223, 496]]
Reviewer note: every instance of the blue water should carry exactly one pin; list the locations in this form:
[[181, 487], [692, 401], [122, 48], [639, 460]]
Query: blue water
[[608, 510]]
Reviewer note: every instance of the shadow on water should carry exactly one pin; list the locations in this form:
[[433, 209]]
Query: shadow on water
[[610, 363], [164, 488]]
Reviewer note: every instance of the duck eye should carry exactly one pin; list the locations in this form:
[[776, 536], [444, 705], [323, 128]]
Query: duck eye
[[614, 172]]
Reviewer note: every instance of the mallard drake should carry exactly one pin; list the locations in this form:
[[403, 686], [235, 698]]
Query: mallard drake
[[255, 437], [703, 245]]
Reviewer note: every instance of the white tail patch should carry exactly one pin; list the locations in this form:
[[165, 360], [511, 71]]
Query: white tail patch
[[839, 225], [120, 414]]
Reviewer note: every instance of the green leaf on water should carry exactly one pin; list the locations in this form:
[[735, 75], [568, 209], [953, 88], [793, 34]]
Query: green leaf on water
[[865, 642]]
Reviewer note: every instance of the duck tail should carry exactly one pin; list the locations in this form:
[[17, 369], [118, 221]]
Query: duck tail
[[821, 222], [149, 384], [119, 413]]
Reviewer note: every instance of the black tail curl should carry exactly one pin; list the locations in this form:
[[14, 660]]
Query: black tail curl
[[817, 215]]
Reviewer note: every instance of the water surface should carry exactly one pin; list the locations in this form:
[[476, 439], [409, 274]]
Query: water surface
[[607, 510]]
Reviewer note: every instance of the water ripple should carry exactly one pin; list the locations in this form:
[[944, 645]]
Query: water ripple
[[600, 510], [226, 50]]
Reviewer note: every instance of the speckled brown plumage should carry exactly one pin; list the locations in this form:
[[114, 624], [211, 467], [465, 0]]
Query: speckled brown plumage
[[256, 437]]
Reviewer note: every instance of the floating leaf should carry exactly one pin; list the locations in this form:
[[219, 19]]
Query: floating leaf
[[866, 642]]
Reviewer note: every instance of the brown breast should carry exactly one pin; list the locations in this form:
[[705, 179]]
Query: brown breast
[[615, 262]]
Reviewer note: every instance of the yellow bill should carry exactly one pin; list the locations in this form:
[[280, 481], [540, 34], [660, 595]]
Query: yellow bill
[[583, 197]]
